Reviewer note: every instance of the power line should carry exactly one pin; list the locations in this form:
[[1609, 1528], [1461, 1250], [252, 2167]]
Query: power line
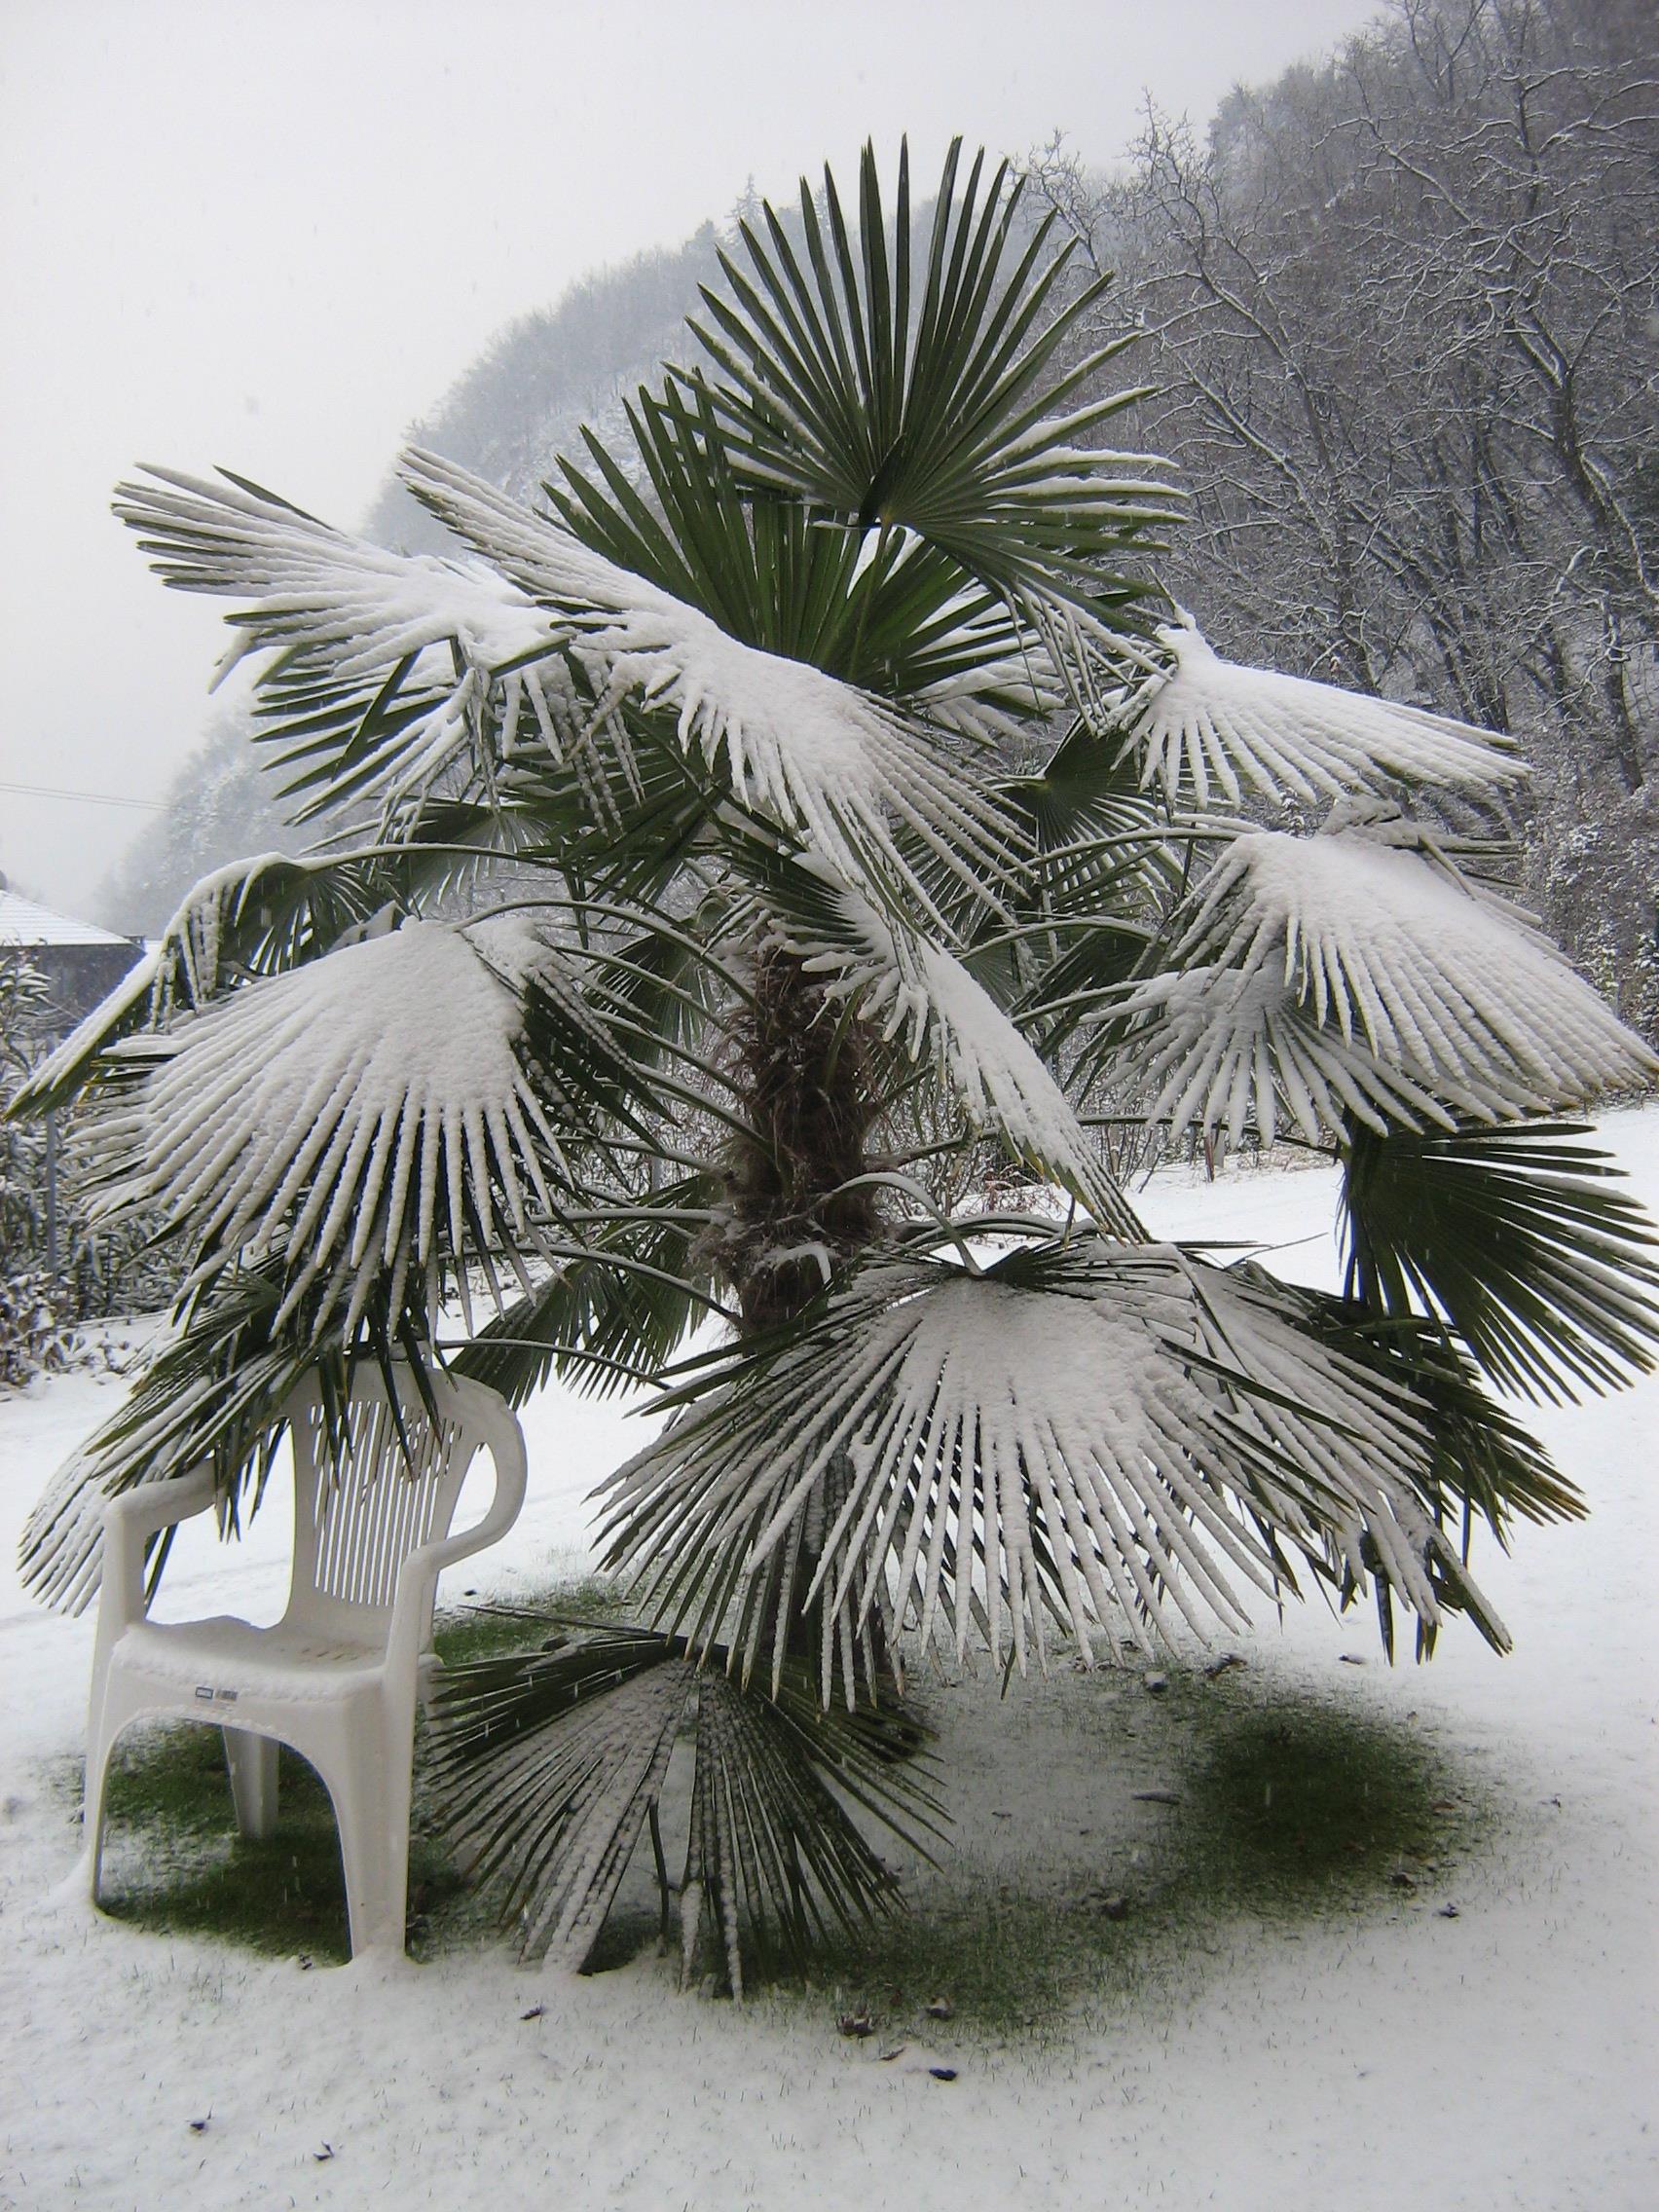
[[91, 799]]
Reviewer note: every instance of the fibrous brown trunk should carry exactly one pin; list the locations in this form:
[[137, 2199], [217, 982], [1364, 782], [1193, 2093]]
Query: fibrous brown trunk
[[807, 1102], [808, 1110]]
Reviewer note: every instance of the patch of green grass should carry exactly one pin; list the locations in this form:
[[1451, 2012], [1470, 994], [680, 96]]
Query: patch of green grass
[[1279, 1806], [1290, 1807], [174, 1863], [485, 1630], [1296, 1806]]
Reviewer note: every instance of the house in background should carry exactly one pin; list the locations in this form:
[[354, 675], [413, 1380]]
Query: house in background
[[79, 962]]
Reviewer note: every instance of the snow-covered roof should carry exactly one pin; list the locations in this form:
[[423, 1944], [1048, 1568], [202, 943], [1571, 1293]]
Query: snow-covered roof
[[24, 923]]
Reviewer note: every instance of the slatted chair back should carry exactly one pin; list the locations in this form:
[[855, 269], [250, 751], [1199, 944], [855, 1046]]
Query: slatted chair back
[[365, 1496]]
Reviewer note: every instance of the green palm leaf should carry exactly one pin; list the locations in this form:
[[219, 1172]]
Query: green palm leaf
[[1517, 1237], [901, 625], [944, 422]]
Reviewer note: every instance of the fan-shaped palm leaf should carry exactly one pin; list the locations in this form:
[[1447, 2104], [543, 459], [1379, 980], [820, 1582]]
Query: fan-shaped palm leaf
[[331, 1114], [946, 422], [1547, 1273], [1209, 722], [255, 917], [903, 621], [1344, 974], [1109, 1431], [386, 661]]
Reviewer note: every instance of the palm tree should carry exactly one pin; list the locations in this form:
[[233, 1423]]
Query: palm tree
[[721, 855]]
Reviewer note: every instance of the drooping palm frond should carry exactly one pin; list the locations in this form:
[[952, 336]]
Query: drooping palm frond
[[1547, 1272], [1345, 973], [1209, 723], [549, 1764], [1485, 1464], [357, 1115], [388, 665], [947, 421], [1106, 1431], [1482, 1465], [254, 917], [1225, 1051]]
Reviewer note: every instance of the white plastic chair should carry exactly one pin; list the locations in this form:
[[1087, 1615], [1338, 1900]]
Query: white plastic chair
[[339, 1675]]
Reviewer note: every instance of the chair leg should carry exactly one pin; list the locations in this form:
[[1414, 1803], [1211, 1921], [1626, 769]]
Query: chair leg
[[252, 1762], [369, 1786], [95, 1796]]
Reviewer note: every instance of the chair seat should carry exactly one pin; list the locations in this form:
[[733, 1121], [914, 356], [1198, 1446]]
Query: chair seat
[[225, 1659]]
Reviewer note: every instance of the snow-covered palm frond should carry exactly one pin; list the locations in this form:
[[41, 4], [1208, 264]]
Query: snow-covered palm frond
[[550, 1763], [312, 588], [1113, 1432], [347, 1115], [1208, 725], [253, 916], [1352, 974], [1227, 1049], [829, 762], [918, 992], [393, 656]]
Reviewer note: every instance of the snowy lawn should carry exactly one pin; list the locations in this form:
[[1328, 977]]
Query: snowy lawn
[[1285, 2015]]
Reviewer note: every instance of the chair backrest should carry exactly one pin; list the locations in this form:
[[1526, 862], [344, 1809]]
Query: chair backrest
[[359, 1510]]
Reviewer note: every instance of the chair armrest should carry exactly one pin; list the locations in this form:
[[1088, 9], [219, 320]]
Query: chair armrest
[[129, 1520], [418, 1582]]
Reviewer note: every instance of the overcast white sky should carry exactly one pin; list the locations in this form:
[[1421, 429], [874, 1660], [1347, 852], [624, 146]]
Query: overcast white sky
[[270, 233]]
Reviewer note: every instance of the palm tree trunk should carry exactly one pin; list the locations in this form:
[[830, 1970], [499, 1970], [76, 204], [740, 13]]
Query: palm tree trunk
[[809, 1111], [793, 1218]]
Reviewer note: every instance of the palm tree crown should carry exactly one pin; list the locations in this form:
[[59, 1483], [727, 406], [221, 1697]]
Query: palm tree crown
[[692, 917]]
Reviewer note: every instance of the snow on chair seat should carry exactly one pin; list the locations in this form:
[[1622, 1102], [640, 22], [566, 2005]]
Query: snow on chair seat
[[338, 1677]]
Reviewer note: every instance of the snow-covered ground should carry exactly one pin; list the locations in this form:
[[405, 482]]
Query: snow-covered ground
[[1502, 2058]]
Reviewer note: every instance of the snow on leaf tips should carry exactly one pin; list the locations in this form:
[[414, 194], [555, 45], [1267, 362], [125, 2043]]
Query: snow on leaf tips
[[1102, 1430], [342, 1113], [1210, 725], [1354, 972]]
